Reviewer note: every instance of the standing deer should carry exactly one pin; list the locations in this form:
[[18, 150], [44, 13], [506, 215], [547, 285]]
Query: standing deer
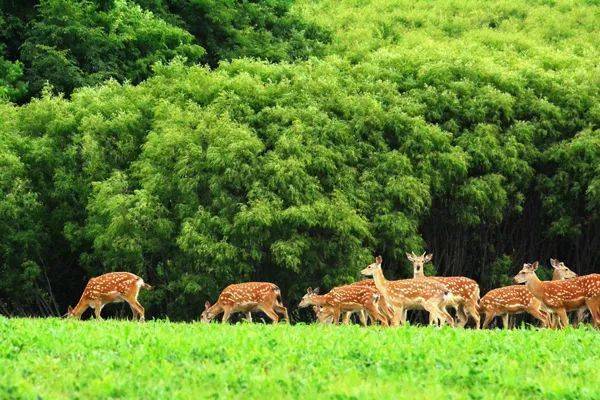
[[563, 296], [464, 290], [348, 298], [411, 294], [511, 300], [561, 272], [113, 287], [247, 298], [384, 309]]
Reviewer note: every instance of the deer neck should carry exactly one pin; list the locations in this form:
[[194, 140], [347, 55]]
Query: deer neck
[[80, 308], [380, 281], [418, 273], [535, 286]]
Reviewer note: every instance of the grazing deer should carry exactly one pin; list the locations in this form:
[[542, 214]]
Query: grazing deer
[[561, 272], [411, 294], [464, 290], [348, 298], [563, 296], [247, 298], [113, 287]]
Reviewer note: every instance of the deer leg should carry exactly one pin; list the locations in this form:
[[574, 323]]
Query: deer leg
[[580, 316], [282, 310], [270, 313], [461, 315], [248, 316], [134, 312], [226, 314], [505, 321], [362, 317], [538, 314], [397, 315], [489, 316], [473, 313], [564, 319], [346, 317], [594, 307], [138, 307], [98, 309]]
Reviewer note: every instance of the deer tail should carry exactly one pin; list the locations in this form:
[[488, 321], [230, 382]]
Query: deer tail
[[144, 285]]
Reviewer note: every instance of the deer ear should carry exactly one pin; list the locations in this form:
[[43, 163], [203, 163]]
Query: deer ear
[[535, 265], [316, 291], [428, 257], [207, 305], [554, 263], [378, 259], [410, 257], [309, 290]]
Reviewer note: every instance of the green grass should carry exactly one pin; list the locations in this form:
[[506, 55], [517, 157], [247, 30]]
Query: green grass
[[52, 358]]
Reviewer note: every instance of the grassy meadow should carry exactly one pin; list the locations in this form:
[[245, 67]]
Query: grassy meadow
[[56, 359]]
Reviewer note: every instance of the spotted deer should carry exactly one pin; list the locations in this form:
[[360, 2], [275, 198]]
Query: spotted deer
[[348, 298], [247, 298], [563, 296], [384, 309], [561, 272], [516, 299], [510, 300], [411, 294], [465, 290], [113, 287]]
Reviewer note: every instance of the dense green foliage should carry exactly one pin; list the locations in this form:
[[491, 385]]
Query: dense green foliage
[[190, 361], [74, 43], [470, 132]]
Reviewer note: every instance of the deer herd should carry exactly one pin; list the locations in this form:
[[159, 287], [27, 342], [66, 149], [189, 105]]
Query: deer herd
[[386, 302]]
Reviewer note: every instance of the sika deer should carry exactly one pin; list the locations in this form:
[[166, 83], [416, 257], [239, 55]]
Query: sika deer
[[113, 287], [384, 309], [516, 299], [465, 290], [509, 300], [247, 298], [560, 272], [563, 296], [411, 294], [349, 298]]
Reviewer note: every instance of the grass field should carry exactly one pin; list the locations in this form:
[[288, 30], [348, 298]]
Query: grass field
[[54, 359]]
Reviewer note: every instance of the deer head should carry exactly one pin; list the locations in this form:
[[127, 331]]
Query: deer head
[[307, 299], [561, 271], [372, 268], [419, 261], [526, 273], [207, 315]]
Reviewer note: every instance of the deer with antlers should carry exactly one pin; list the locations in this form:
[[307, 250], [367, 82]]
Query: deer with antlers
[[465, 290], [563, 296], [411, 294], [113, 287], [348, 298], [247, 298]]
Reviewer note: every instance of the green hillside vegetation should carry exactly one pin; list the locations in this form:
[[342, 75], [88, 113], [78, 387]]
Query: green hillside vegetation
[[190, 361], [470, 130]]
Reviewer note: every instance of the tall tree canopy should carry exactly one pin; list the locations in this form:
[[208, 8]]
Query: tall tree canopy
[[471, 133]]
